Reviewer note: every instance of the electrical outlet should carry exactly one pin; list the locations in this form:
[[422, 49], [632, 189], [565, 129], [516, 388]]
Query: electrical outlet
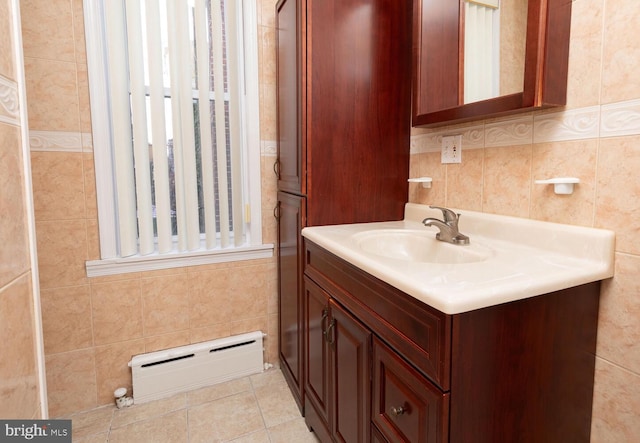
[[452, 149]]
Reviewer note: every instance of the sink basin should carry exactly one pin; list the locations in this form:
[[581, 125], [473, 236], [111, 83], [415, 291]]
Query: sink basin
[[417, 246], [508, 258]]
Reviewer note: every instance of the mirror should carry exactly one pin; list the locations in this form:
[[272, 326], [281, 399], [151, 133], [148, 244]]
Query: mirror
[[494, 34], [528, 72]]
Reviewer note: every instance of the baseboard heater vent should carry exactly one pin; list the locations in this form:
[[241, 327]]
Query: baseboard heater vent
[[164, 373]]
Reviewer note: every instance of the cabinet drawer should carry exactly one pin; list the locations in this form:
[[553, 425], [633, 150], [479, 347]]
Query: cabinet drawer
[[406, 406], [421, 334]]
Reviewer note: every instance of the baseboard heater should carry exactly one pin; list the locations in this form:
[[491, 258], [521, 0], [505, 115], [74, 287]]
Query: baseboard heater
[[164, 373]]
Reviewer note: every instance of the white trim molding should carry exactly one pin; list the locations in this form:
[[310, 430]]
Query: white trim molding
[[20, 115], [98, 268]]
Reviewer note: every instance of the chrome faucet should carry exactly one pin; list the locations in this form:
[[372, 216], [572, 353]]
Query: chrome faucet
[[448, 227]]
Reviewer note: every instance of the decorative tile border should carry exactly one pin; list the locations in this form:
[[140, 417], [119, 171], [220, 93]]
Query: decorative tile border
[[573, 124], [472, 138], [268, 147], [9, 103], [619, 119], [514, 131], [610, 120], [56, 141], [426, 143]]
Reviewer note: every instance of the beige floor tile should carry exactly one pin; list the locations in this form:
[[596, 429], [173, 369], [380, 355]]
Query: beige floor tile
[[145, 411], [268, 378], [102, 437], [292, 431], [255, 409], [201, 427], [169, 428], [218, 391], [226, 419], [257, 437], [91, 422], [277, 404]]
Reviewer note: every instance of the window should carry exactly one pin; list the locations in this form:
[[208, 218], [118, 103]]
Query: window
[[174, 102]]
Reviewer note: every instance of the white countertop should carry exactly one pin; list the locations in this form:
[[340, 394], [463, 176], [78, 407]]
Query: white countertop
[[522, 258]]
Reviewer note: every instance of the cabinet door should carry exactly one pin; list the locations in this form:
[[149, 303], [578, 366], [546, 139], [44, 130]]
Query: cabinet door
[[291, 210], [338, 381], [317, 350], [289, 78], [436, 72], [406, 406], [351, 377], [376, 436], [358, 106]]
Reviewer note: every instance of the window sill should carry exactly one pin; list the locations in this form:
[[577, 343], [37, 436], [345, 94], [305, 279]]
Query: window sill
[[99, 268]]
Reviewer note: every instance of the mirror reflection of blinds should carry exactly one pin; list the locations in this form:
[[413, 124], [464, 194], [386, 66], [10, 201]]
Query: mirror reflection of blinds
[[175, 115], [495, 4], [481, 50]]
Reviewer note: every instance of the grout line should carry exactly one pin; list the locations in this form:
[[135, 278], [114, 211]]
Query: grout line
[[253, 392], [113, 413], [618, 366], [594, 208]]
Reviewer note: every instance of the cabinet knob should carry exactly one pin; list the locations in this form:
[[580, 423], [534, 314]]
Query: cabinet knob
[[397, 411]]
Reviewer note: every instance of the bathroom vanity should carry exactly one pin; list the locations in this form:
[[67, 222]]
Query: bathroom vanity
[[490, 344]]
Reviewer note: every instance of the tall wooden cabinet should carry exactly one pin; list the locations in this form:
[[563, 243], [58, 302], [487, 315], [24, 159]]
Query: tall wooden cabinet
[[344, 118]]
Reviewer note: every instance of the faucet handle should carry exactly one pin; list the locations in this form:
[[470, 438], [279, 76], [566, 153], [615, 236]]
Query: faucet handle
[[448, 214]]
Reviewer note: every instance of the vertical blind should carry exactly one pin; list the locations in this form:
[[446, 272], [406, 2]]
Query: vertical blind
[[175, 77], [481, 50]]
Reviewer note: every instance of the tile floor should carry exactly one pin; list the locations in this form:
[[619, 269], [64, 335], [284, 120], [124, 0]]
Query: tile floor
[[255, 409]]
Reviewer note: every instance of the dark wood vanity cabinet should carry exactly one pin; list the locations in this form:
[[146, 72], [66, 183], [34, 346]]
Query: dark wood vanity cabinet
[[344, 121], [406, 407], [515, 372], [338, 371]]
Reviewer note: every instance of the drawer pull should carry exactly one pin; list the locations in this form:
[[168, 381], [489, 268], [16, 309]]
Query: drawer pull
[[276, 168], [329, 337], [397, 411], [325, 314]]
